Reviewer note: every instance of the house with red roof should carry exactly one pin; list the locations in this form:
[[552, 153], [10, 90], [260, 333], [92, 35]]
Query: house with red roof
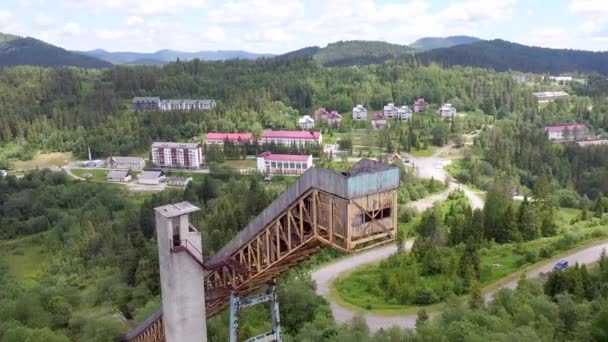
[[332, 118], [573, 132], [299, 138], [420, 105], [269, 163], [379, 121], [220, 138]]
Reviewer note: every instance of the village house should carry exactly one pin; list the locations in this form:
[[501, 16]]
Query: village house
[[220, 138], [306, 122], [151, 177], [379, 121], [572, 132], [447, 111], [179, 181], [180, 155], [404, 113], [390, 111], [129, 163], [269, 163], [118, 176], [592, 142], [359, 113], [332, 118], [298, 138], [155, 104], [420, 105], [549, 96]]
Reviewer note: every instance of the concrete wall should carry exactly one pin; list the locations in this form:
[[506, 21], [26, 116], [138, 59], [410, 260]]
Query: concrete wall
[[182, 284]]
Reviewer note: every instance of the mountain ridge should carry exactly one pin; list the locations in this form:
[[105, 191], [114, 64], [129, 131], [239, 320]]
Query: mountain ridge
[[430, 43], [167, 55]]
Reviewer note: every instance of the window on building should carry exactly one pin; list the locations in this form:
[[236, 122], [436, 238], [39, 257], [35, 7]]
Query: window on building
[[370, 216]]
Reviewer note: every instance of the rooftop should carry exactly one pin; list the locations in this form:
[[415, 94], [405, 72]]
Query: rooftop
[[150, 174], [126, 159], [560, 128], [291, 135], [378, 116], [177, 209], [228, 136], [284, 157], [174, 145], [117, 174], [146, 99]]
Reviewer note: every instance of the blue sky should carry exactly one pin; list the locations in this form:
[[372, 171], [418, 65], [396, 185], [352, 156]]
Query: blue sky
[[277, 26]]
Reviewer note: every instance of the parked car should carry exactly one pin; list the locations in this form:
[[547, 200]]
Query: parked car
[[561, 265]]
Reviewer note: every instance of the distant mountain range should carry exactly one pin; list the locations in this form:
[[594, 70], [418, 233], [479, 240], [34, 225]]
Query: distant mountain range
[[15, 50], [166, 56], [430, 43], [455, 50], [502, 55]]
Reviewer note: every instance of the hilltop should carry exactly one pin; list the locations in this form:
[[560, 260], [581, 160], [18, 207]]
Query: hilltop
[[430, 43]]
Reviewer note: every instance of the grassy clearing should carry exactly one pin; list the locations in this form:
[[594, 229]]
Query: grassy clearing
[[26, 258], [429, 151], [45, 160], [98, 175], [241, 163], [452, 153]]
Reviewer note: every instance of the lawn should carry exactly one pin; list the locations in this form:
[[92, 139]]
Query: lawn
[[427, 152], [98, 175], [452, 153], [26, 258], [239, 164], [45, 160]]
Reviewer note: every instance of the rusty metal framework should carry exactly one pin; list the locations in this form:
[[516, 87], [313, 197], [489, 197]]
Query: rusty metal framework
[[347, 212]]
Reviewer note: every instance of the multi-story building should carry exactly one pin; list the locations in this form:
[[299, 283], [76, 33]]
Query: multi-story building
[[359, 113], [146, 103], [573, 132], [220, 138], [420, 105], [447, 110], [283, 163], [390, 111], [404, 113], [548, 96], [299, 138], [155, 103], [130, 163], [178, 155], [306, 122]]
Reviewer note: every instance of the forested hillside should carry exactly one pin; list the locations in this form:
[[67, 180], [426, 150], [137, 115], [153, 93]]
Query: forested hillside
[[30, 51], [68, 109], [429, 43], [501, 55], [166, 56]]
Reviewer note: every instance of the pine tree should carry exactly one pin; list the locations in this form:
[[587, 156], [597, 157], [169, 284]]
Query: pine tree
[[525, 221], [509, 230], [476, 300]]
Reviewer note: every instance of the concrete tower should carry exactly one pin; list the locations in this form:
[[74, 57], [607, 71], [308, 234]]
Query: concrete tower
[[181, 274]]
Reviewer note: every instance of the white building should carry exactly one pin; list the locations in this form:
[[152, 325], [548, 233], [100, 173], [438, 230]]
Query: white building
[[179, 155], [548, 96], [291, 137], [447, 110], [404, 113], [306, 122], [150, 177], [155, 104], [283, 163], [566, 132], [129, 163], [390, 111], [118, 176], [359, 113], [179, 181]]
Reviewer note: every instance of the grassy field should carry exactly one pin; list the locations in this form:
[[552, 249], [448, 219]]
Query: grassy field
[[26, 258], [45, 160], [98, 175], [241, 163], [498, 263], [427, 152]]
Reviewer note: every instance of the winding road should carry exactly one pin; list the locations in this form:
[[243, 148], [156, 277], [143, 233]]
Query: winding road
[[425, 167]]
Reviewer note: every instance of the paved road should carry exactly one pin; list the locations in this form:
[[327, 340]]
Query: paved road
[[426, 167]]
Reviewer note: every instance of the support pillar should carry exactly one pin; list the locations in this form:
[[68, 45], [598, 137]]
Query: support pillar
[[237, 303]]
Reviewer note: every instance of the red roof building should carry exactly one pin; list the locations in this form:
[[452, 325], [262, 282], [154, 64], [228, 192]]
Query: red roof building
[[219, 138], [269, 163], [420, 105], [566, 132], [291, 137], [379, 121]]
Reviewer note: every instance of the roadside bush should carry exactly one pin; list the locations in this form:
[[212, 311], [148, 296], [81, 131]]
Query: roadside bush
[[565, 198]]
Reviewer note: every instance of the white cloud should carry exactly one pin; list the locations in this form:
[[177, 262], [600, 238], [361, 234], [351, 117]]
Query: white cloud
[[134, 20], [44, 20], [106, 34], [71, 29], [214, 34]]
